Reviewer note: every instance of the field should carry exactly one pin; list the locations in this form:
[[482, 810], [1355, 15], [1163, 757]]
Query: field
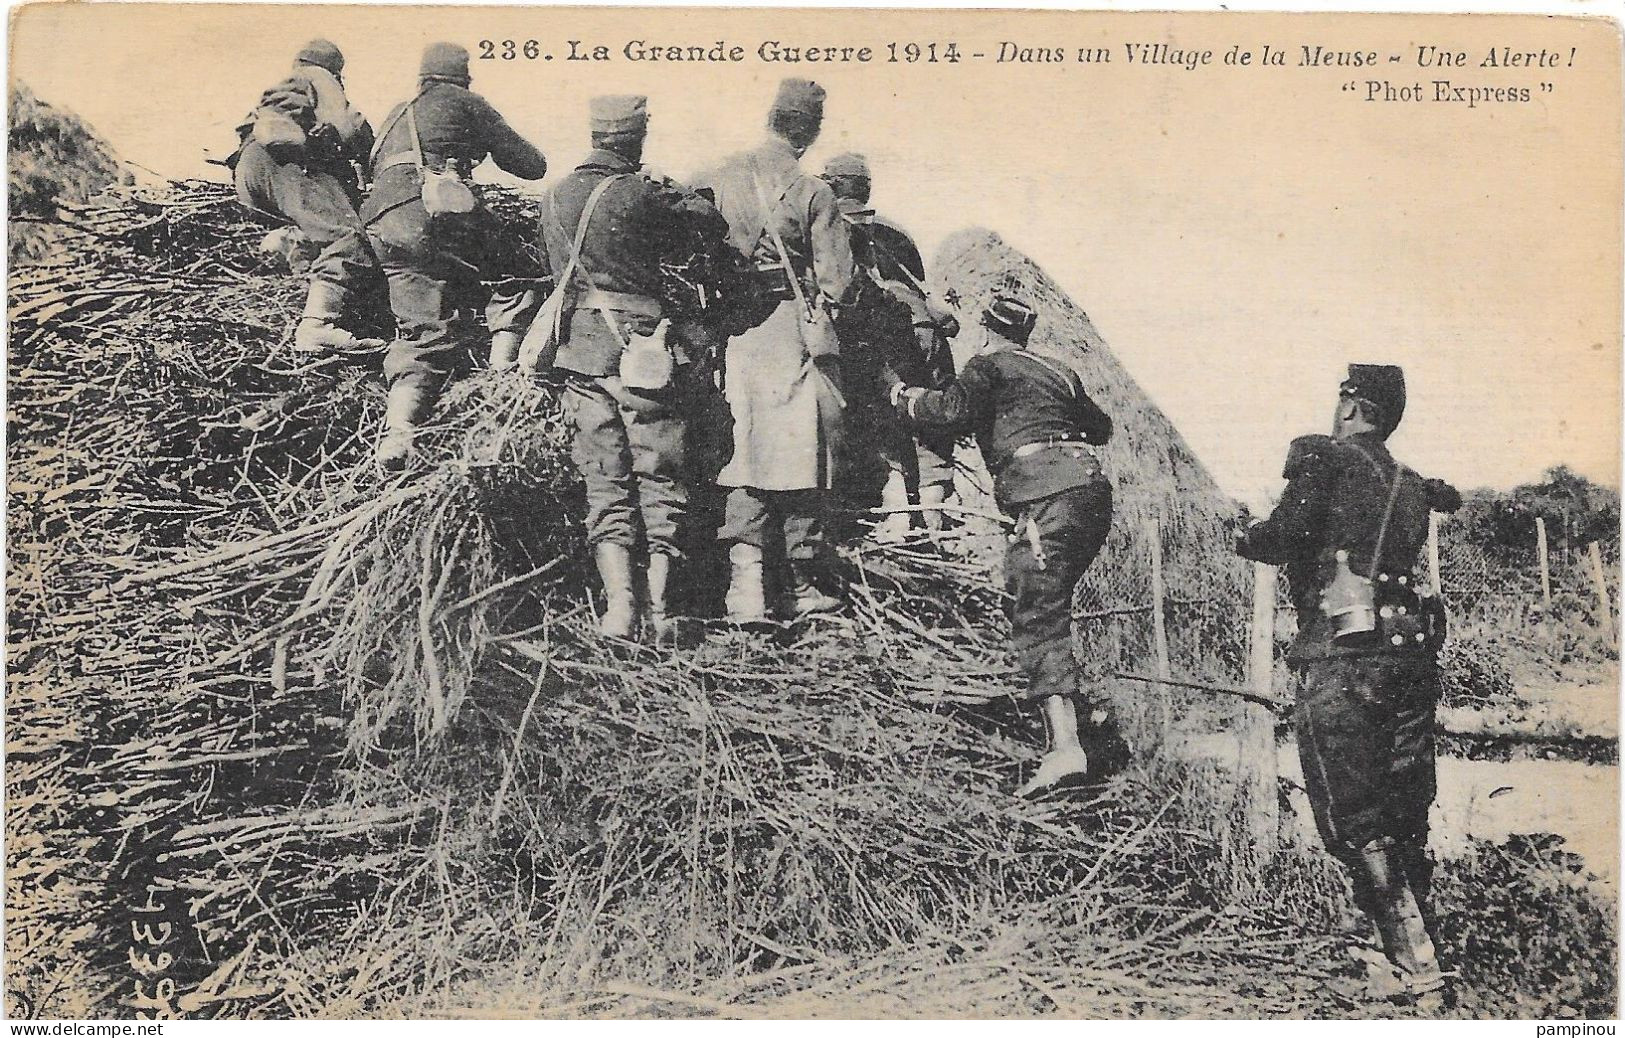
[[344, 745]]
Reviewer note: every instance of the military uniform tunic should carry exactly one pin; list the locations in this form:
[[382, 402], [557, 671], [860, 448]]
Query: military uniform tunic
[[318, 192], [927, 359], [631, 448], [1034, 423], [1365, 711], [435, 265]]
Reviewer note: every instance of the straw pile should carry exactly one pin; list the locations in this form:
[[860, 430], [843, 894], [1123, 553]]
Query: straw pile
[[351, 737], [300, 697]]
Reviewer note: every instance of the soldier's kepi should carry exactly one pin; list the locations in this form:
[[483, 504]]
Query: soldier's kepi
[[625, 353], [297, 158], [1035, 424], [1349, 530]]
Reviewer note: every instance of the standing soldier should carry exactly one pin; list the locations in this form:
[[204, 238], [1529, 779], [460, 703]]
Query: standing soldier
[[298, 159], [782, 372], [1349, 529], [1035, 424], [435, 241], [919, 471], [607, 228]]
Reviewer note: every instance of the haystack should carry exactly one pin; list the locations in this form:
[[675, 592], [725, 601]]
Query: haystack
[[353, 739]]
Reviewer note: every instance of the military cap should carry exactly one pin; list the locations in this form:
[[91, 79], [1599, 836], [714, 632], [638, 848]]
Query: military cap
[[618, 113], [1382, 386], [444, 61], [323, 54], [849, 164], [1011, 318], [800, 97]]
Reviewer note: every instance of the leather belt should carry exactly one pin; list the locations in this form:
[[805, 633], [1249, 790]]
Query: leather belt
[[410, 158], [626, 302], [1027, 450]]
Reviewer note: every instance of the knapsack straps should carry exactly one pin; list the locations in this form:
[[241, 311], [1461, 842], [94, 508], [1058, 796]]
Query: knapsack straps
[[383, 134], [778, 242], [581, 227], [1387, 512]]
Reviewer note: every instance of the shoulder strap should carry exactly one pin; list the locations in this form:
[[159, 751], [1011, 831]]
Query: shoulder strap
[[1388, 511], [389, 124], [412, 127], [581, 226], [778, 242]]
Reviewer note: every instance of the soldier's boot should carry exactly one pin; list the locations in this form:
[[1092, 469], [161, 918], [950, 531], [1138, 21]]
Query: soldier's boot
[[933, 494], [803, 598], [318, 330], [400, 424], [746, 601], [1405, 938], [1065, 762], [504, 350], [1084, 751], [620, 616], [895, 526], [668, 629]]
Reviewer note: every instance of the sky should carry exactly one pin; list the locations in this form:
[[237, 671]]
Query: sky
[[1237, 234]]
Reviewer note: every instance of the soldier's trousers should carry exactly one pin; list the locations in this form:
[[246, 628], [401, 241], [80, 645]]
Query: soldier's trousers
[[314, 202], [633, 458], [433, 297], [1071, 528], [751, 515], [1365, 739]]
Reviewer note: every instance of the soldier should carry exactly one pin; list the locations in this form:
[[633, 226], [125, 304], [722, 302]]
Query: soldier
[[1349, 529], [630, 442], [435, 260], [1035, 424], [919, 468], [297, 159], [782, 370]]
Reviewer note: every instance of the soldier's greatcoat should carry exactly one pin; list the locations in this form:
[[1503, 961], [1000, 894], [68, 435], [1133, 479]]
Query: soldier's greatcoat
[[1034, 423], [786, 409], [318, 192]]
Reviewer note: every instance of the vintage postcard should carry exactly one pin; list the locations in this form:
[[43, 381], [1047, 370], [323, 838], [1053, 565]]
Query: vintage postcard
[[775, 513]]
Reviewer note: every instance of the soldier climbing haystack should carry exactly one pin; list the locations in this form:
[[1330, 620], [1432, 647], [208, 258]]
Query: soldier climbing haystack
[[436, 242], [299, 157]]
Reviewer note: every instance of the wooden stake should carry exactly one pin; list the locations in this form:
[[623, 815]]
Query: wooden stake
[[1257, 775], [1599, 577], [1545, 562], [1159, 597]]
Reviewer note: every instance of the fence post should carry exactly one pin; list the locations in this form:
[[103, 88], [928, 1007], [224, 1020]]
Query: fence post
[[1159, 629], [1599, 577], [1433, 553], [1545, 563], [1159, 596], [1257, 774]]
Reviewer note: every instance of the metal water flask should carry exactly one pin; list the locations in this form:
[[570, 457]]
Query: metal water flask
[[1350, 602]]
